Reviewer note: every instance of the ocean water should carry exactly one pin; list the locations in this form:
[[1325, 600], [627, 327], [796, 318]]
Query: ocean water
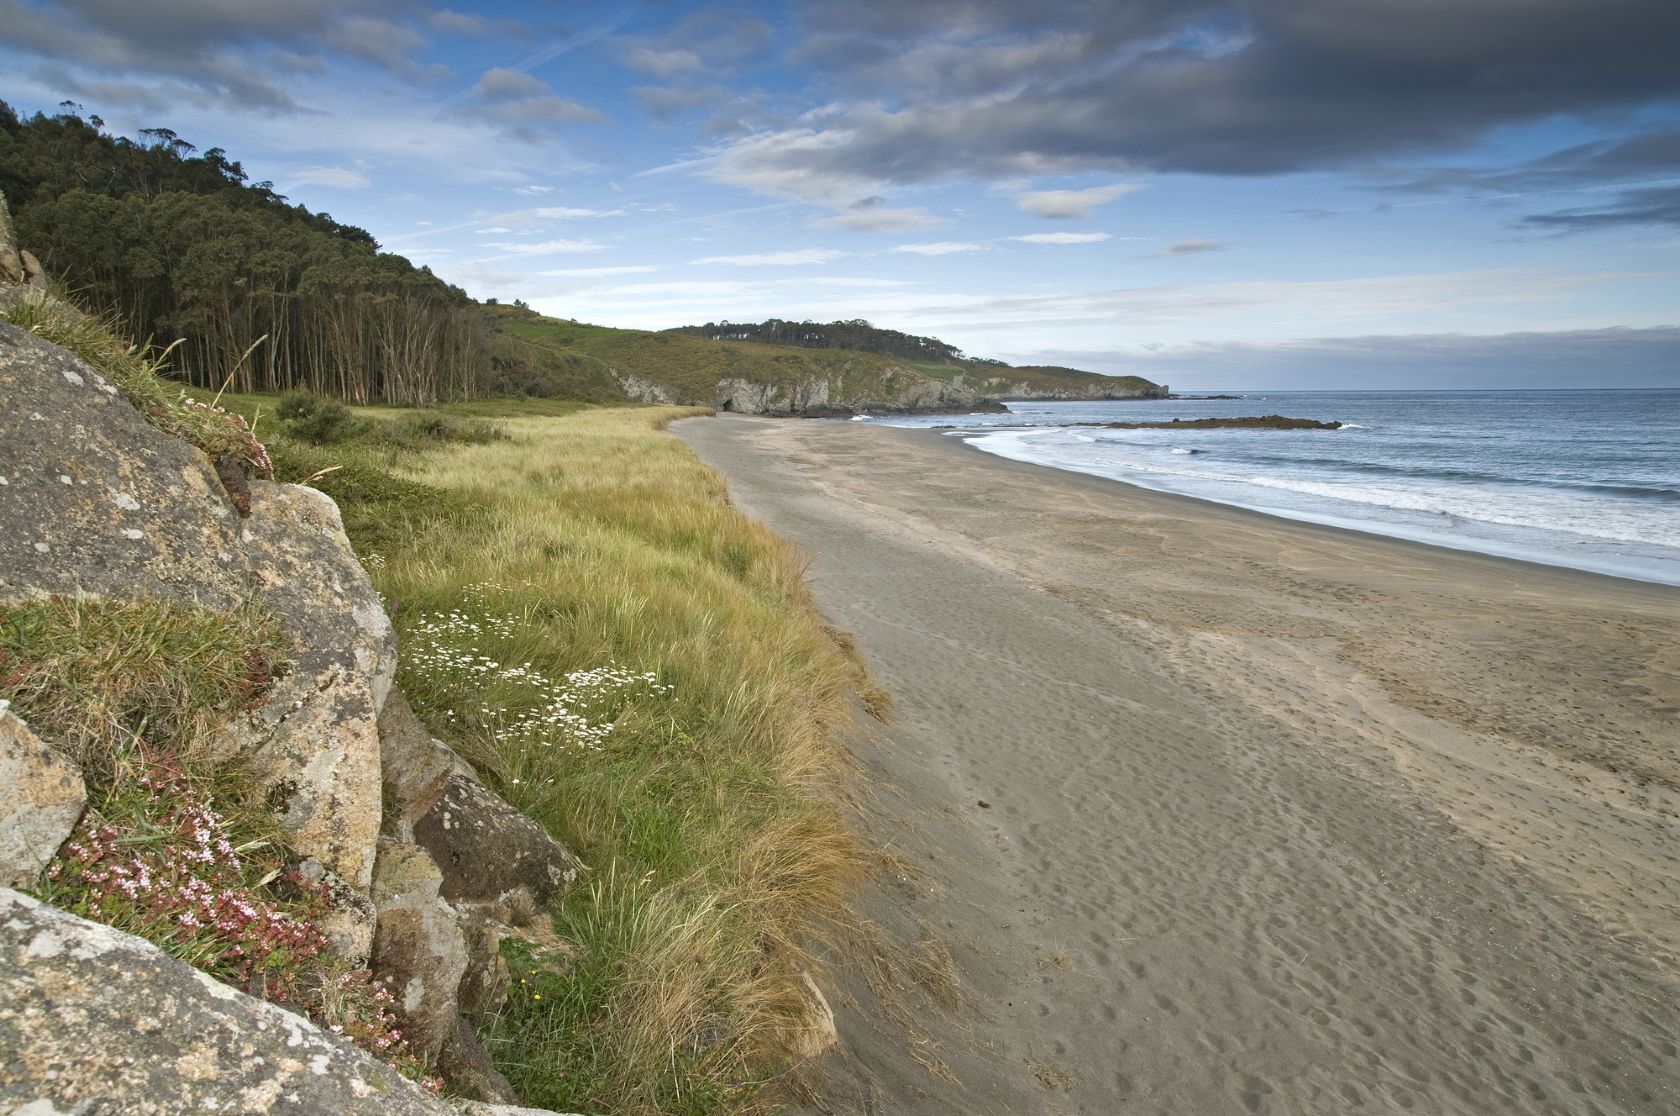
[[1586, 479]]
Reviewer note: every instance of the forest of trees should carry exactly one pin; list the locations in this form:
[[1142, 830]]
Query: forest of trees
[[181, 245], [855, 334]]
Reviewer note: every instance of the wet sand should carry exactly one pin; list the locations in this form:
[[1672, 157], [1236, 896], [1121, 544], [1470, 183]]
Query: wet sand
[[1221, 813]]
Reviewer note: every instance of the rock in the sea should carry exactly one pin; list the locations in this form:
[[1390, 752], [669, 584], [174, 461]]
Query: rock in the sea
[[41, 796], [96, 1021], [487, 849], [419, 953]]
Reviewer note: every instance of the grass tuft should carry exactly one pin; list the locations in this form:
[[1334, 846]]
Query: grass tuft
[[95, 669], [176, 846]]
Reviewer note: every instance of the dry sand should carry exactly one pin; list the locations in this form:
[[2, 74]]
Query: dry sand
[[1221, 813]]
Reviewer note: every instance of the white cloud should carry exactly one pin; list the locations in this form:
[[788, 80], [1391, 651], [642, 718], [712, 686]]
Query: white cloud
[[1063, 238], [664, 63], [1072, 203], [500, 83], [1310, 301], [881, 219], [549, 247], [493, 230], [776, 259], [567, 213], [939, 248], [338, 178], [533, 191], [593, 272]]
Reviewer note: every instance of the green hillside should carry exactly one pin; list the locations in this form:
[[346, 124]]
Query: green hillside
[[927, 355], [688, 368]]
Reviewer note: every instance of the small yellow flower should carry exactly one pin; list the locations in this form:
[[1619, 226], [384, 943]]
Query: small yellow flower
[[536, 995]]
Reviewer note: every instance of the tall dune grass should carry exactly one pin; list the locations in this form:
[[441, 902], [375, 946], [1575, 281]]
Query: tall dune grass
[[717, 856]]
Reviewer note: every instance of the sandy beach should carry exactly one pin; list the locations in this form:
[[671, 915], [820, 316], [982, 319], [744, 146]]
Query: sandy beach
[[1221, 813]]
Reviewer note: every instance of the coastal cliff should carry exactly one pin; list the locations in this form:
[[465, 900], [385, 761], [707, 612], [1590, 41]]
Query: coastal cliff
[[809, 373], [845, 392]]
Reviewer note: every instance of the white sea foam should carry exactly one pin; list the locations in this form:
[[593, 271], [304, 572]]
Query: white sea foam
[[1549, 524]]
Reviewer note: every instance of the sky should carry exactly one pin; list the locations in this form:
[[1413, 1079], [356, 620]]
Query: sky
[[1217, 194]]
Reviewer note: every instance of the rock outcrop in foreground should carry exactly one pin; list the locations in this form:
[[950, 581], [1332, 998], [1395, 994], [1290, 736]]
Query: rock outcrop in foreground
[[427, 868], [93, 1020]]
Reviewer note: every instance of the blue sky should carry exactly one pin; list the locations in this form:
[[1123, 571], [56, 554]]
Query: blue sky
[[1212, 193]]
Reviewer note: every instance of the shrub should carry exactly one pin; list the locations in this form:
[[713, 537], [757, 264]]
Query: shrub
[[423, 429], [316, 418]]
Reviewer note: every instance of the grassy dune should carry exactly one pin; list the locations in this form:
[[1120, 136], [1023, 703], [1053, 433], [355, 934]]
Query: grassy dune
[[593, 541], [621, 654]]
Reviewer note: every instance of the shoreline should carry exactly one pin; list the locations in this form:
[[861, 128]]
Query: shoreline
[[1517, 552], [1276, 516], [1220, 812]]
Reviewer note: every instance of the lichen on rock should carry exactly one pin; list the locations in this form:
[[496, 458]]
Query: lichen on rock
[[41, 796], [95, 1020]]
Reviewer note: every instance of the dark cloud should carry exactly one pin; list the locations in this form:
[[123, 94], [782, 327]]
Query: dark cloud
[[1194, 247], [991, 88], [1642, 167], [1659, 205], [213, 47], [524, 107], [386, 45], [691, 57], [664, 63], [186, 25], [668, 102], [471, 24]]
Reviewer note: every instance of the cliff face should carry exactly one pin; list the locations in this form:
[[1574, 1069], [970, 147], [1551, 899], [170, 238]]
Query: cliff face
[[1019, 391], [426, 869], [899, 391], [1067, 383]]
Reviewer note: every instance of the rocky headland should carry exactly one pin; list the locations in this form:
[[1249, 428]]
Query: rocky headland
[[1246, 422]]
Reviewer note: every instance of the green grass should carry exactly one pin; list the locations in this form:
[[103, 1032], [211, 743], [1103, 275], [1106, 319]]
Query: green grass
[[717, 856], [690, 367], [714, 858], [696, 781], [91, 669]]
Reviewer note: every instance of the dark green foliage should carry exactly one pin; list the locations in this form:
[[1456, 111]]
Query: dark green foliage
[[928, 355], [315, 418], [856, 334], [381, 511], [177, 244]]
